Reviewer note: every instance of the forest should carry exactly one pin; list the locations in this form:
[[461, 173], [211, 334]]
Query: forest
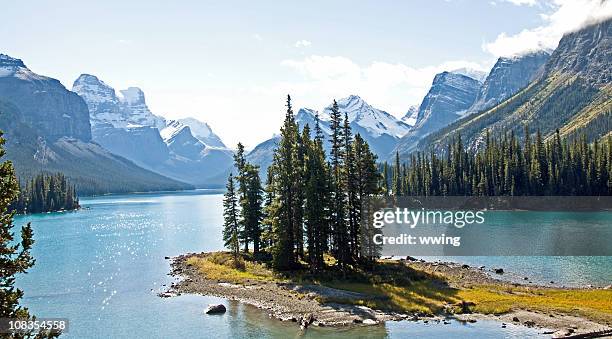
[[506, 166], [46, 193]]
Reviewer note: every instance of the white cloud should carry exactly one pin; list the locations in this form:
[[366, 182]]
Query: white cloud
[[257, 37], [566, 16], [522, 2], [302, 43], [389, 86]]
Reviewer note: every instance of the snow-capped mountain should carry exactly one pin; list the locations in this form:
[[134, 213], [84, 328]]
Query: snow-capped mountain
[[380, 129], [367, 118], [48, 128], [126, 110], [411, 115], [472, 73], [203, 132], [124, 124]]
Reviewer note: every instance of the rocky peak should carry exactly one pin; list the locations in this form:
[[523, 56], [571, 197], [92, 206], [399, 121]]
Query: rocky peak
[[8, 61], [508, 76], [132, 96], [585, 52]]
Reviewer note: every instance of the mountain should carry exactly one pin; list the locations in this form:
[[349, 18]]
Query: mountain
[[507, 77], [186, 150], [48, 130], [203, 132], [450, 96], [43, 102], [572, 94], [411, 115], [380, 129], [472, 73]]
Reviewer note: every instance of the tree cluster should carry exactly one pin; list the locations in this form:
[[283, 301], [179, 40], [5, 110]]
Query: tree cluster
[[507, 166], [46, 193], [312, 202]]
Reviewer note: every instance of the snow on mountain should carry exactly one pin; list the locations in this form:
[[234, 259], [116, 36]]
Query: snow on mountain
[[374, 121], [411, 115], [126, 110], [203, 132], [472, 73], [378, 128], [13, 67]]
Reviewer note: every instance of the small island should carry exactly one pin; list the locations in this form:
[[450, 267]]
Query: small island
[[406, 289]]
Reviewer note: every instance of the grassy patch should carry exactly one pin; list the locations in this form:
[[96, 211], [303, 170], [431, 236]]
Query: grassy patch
[[221, 266], [593, 304], [391, 285]]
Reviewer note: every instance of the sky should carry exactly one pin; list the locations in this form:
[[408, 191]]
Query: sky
[[232, 63]]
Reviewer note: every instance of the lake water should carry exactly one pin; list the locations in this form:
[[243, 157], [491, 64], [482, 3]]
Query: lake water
[[102, 267]]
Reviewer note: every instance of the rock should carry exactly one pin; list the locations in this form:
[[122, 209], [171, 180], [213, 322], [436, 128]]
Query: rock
[[516, 319], [215, 309], [481, 267], [552, 282], [409, 258], [609, 287], [499, 270], [529, 323], [465, 266], [166, 258], [306, 321], [370, 322], [525, 278]]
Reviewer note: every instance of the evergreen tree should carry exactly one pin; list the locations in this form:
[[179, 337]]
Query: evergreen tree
[[230, 216], [15, 257], [286, 182]]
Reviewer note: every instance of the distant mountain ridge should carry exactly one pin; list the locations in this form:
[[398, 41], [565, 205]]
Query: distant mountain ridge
[[572, 94], [380, 129], [48, 130], [125, 125]]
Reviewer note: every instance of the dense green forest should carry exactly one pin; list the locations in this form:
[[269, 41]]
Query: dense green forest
[[46, 193], [506, 166], [310, 206]]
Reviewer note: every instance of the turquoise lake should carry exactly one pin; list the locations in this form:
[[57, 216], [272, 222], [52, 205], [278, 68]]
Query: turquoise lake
[[102, 267]]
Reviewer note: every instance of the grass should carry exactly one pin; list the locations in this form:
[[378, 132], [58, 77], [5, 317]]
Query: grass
[[391, 285], [220, 266]]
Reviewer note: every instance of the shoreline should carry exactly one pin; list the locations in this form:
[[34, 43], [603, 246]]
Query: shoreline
[[305, 304]]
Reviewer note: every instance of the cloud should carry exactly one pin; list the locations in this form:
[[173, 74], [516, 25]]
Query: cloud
[[566, 16], [302, 43], [257, 37], [522, 2], [389, 86]]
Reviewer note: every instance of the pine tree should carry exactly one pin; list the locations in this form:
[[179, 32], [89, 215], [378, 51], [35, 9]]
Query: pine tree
[[15, 257], [283, 212], [230, 216]]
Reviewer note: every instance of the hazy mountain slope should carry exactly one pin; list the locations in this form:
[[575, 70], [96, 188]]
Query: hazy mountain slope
[[450, 96], [124, 124], [93, 169], [573, 94], [507, 77]]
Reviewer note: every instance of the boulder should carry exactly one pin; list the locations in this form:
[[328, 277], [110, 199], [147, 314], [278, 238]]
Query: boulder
[[215, 309], [499, 270]]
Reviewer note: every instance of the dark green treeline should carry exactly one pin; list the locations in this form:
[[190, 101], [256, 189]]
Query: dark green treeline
[[311, 204], [507, 166], [46, 193]]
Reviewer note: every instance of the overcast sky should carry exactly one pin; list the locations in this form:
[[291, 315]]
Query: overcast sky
[[230, 63]]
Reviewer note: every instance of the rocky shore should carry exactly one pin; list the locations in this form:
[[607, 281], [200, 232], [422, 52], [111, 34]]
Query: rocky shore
[[301, 303]]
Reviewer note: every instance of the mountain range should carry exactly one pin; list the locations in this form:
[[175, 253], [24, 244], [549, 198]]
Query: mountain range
[[48, 130], [109, 141], [186, 150], [571, 93]]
